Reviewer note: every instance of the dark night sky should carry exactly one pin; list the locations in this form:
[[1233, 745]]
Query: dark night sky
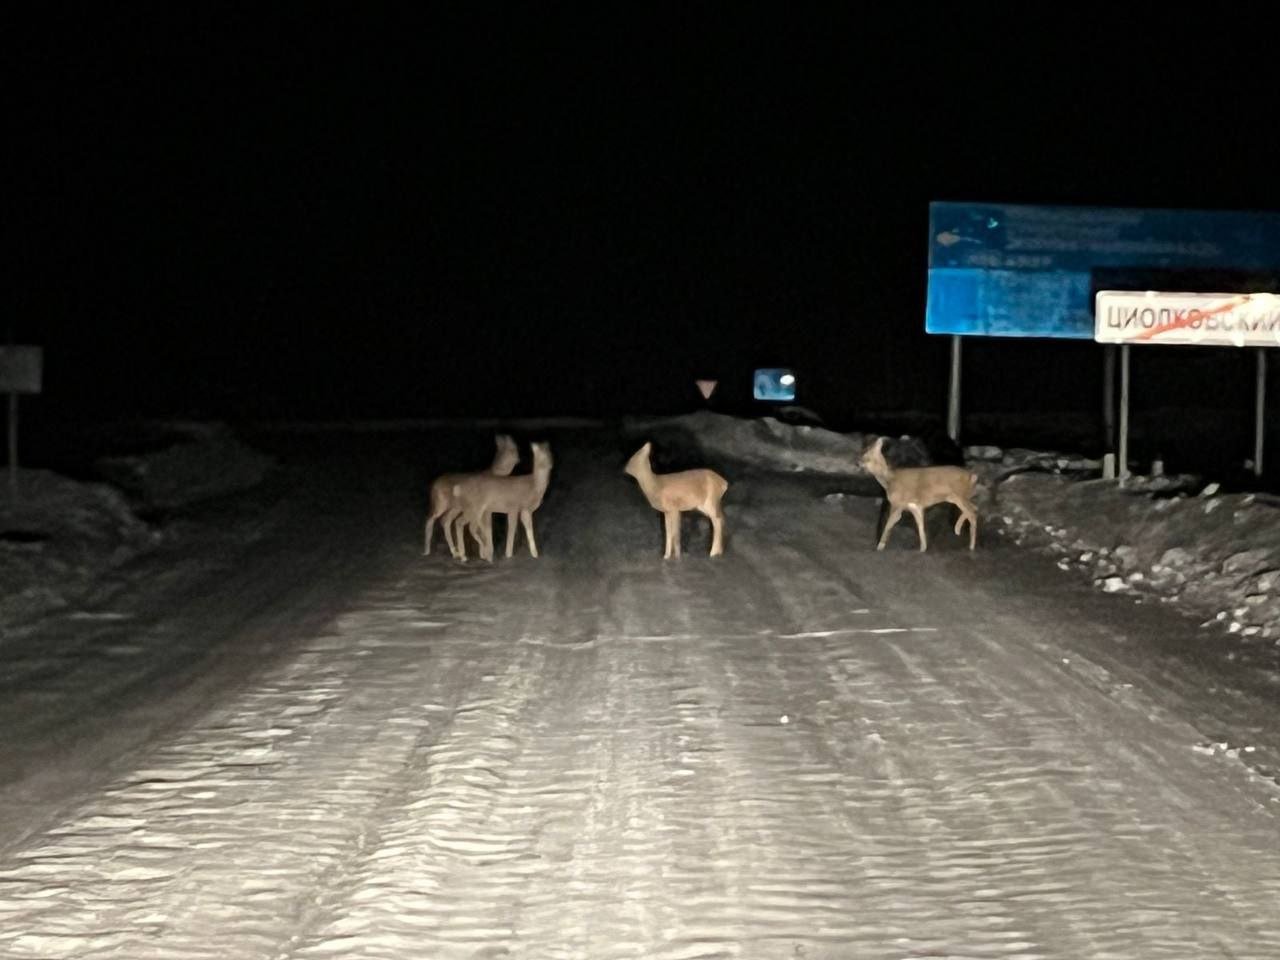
[[519, 209]]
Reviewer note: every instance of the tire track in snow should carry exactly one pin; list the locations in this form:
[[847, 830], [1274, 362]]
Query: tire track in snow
[[227, 833]]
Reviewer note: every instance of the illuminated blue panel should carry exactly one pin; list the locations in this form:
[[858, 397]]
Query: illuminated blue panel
[[1016, 271], [1009, 303], [774, 384]]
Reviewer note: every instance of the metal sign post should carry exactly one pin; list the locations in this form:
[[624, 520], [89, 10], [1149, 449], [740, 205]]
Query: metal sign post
[[953, 392], [20, 372], [1109, 398], [13, 447], [1259, 410], [1122, 466]]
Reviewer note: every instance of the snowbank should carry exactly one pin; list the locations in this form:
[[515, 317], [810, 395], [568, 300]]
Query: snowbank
[[764, 443], [62, 536], [58, 538], [1217, 556], [206, 461]]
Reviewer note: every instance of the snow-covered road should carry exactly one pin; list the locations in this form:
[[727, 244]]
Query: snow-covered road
[[804, 749]]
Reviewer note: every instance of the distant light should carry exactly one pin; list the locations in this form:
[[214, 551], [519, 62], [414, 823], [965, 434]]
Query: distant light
[[774, 385]]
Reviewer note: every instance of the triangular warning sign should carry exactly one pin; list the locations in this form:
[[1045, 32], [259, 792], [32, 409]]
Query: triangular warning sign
[[707, 387]]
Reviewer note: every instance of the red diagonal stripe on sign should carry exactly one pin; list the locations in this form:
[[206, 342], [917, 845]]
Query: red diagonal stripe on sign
[[1193, 315]]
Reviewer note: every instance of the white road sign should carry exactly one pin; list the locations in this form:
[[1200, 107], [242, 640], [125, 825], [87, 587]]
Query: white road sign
[[1201, 319]]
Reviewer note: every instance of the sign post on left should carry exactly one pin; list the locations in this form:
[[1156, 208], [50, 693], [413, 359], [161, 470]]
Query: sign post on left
[[21, 371]]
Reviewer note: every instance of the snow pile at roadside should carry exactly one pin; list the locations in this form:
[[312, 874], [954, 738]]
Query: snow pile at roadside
[[1217, 556], [58, 538], [765, 442], [206, 461], [62, 536]]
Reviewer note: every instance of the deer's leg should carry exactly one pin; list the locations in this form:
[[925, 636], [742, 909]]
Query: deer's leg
[[918, 512], [672, 520], [458, 544], [447, 523], [486, 528], [895, 515], [716, 516], [526, 518], [473, 525], [437, 504], [968, 514], [972, 513], [511, 534], [444, 529]]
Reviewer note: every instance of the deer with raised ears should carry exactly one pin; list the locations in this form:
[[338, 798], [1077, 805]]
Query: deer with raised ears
[[443, 508], [482, 496], [918, 488], [673, 493]]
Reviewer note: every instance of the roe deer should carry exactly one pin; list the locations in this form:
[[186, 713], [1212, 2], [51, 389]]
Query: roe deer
[[917, 488], [672, 493], [481, 496], [443, 508]]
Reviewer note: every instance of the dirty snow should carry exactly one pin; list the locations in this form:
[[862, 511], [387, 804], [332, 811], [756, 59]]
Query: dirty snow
[[62, 540], [1215, 555], [200, 462], [802, 749], [58, 538]]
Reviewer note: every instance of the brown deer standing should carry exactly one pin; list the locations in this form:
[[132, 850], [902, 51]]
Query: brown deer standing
[[482, 496], [673, 493], [443, 507], [918, 488]]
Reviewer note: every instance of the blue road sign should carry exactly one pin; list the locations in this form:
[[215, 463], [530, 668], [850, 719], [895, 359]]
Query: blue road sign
[[999, 270]]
